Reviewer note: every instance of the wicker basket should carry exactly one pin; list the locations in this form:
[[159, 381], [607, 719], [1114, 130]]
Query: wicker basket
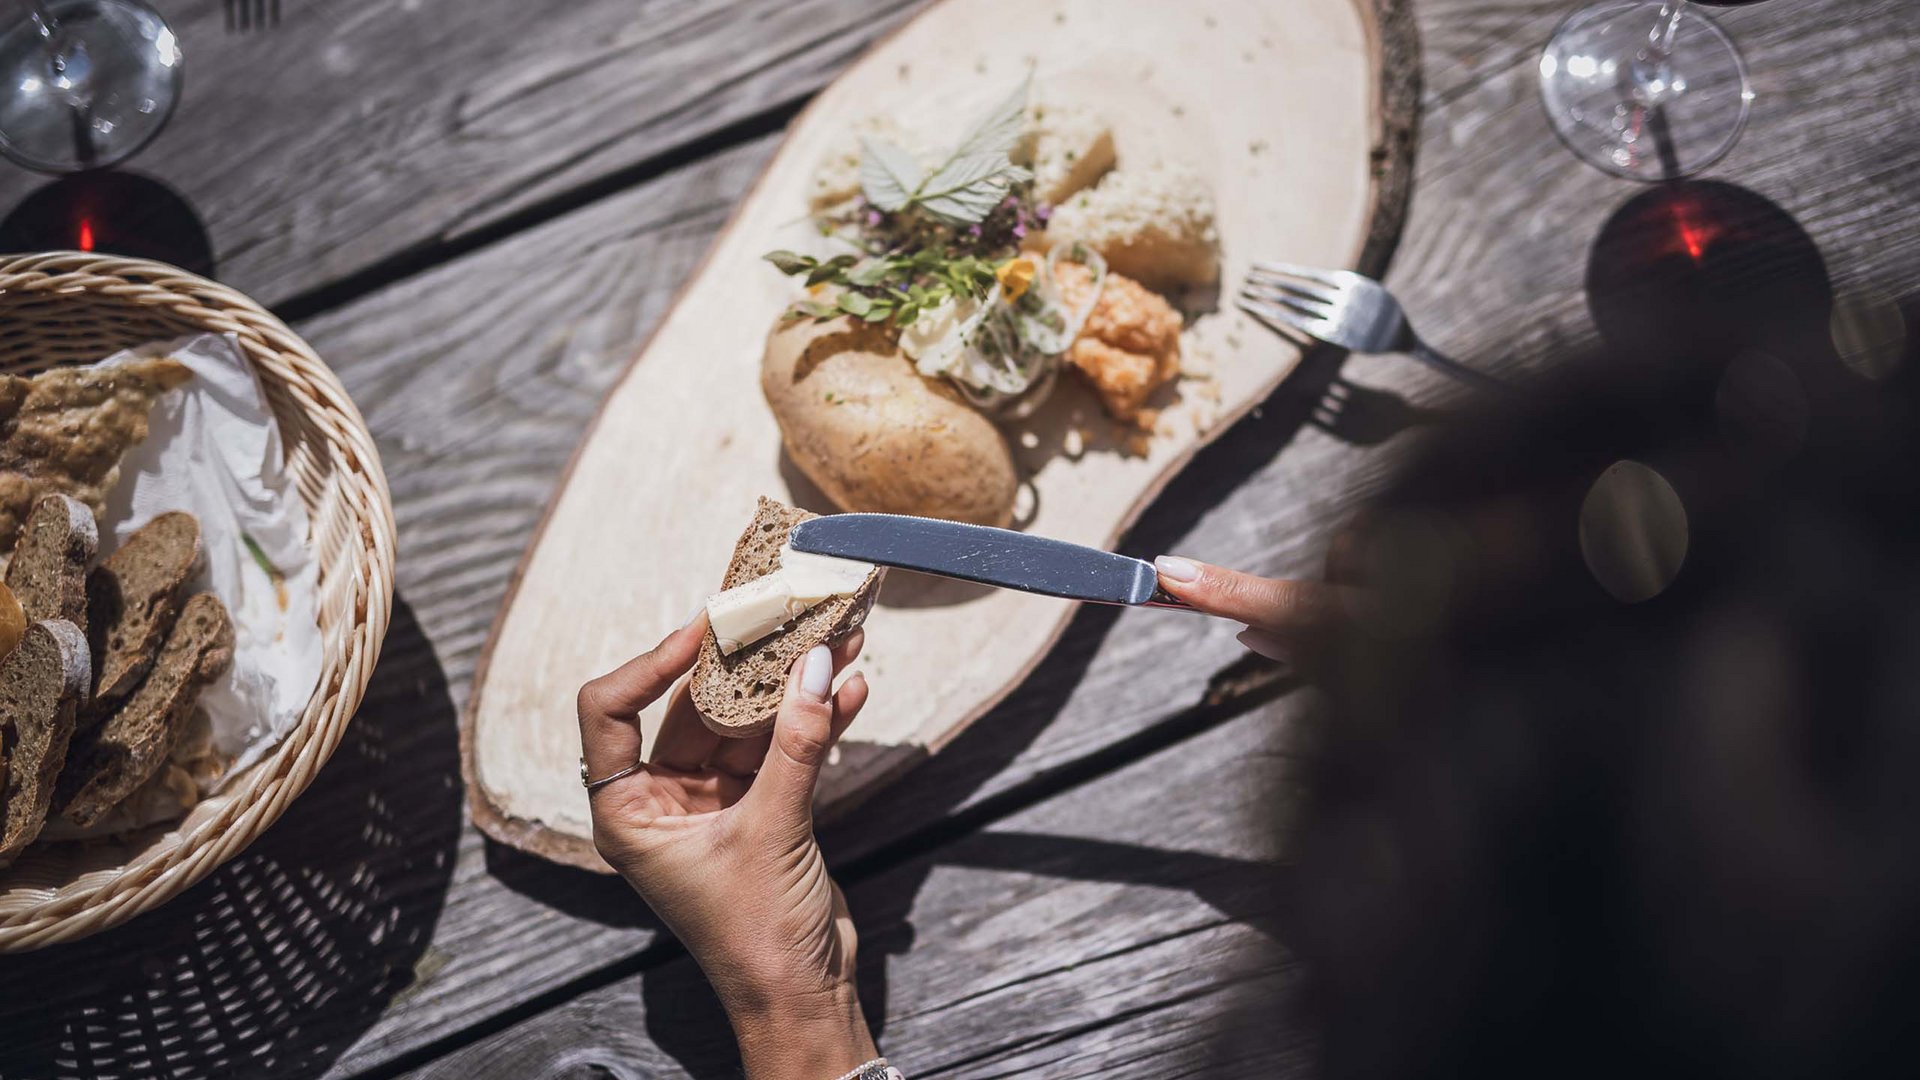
[[71, 307]]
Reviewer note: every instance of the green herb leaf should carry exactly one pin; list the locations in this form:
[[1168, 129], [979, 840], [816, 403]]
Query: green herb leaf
[[260, 556], [970, 196], [978, 173], [829, 270], [871, 272], [788, 262], [854, 303], [888, 174]]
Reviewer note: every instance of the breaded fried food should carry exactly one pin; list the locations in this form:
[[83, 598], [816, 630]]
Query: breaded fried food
[[65, 430], [1129, 347]]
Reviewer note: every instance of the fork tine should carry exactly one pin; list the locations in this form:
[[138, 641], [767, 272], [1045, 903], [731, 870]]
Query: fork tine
[[1282, 319], [1324, 277], [1313, 287], [1287, 303], [1290, 292]]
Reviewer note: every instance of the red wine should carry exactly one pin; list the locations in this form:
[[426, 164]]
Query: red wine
[[117, 213], [1703, 268]]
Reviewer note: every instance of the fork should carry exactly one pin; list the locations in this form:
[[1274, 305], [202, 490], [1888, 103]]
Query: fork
[[1346, 309], [247, 15]]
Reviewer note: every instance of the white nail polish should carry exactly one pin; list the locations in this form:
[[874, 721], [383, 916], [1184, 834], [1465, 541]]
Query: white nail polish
[[1175, 568], [816, 678]]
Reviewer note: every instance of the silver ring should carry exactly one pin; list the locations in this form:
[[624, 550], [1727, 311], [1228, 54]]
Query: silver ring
[[595, 785]]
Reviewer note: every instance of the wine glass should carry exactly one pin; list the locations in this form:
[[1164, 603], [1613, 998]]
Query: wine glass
[[85, 83], [1645, 89]]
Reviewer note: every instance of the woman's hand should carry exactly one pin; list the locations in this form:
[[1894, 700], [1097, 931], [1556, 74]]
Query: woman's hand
[[1280, 614], [716, 835]]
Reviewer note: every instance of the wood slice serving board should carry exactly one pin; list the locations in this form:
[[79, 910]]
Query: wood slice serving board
[[1300, 113]]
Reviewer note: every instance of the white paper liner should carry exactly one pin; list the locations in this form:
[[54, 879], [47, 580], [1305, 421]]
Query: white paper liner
[[214, 450]]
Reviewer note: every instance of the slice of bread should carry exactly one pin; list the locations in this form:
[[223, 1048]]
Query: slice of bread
[[738, 695], [41, 685], [133, 597], [49, 569], [67, 428], [109, 761]]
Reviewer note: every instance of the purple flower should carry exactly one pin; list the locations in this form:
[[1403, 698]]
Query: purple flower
[[1019, 229], [1042, 212], [973, 230], [873, 217]]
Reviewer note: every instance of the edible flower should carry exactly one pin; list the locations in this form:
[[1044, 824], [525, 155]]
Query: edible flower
[[1014, 275]]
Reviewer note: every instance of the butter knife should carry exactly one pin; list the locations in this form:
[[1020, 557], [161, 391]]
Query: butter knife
[[998, 557]]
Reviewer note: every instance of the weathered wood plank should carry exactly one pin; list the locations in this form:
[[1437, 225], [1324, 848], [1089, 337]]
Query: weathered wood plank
[[374, 139], [1107, 931], [363, 134]]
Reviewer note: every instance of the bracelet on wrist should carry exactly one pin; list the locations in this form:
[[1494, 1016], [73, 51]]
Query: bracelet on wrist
[[877, 1069]]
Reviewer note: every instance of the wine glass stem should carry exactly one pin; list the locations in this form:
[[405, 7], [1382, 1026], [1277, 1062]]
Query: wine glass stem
[[49, 32], [42, 20], [1653, 74], [1660, 40], [50, 43]]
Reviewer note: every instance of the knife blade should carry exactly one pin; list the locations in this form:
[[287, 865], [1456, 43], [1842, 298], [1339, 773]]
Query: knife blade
[[988, 556]]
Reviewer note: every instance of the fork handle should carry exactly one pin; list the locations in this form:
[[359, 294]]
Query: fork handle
[[1446, 365]]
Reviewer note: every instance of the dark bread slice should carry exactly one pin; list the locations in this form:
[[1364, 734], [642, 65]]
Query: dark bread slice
[[49, 568], [109, 761], [738, 695], [133, 597], [42, 683]]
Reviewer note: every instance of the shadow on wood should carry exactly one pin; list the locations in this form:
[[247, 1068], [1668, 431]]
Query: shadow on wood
[[582, 894], [685, 1019], [1365, 416], [1696, 270], [278, 961], [118, 213]]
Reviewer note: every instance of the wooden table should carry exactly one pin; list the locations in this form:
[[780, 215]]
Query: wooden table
[[475, 211]]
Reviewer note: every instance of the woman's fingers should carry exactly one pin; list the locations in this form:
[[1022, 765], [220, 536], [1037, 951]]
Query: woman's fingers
[[743, 757], [610, 705], [848, 648], [847, 703], [1267, 644], [802, 734], [1275, 605], [685, 742]]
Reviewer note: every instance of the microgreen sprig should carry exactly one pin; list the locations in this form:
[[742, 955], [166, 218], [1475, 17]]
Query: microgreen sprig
[[894, 289]]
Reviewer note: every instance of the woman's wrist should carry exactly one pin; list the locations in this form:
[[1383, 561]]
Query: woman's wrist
[[812, 1035]]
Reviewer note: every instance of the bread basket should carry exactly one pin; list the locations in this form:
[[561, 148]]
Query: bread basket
[[75, 307]]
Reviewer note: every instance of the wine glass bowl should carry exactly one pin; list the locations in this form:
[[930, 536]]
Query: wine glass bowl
[[1645, 90], [85, 83]]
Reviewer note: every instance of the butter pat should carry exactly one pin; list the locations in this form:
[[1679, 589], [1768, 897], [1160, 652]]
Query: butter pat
[[815, 579], [746, 613]]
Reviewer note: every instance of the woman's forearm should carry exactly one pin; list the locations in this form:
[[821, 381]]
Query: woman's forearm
[[815, 1037]]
